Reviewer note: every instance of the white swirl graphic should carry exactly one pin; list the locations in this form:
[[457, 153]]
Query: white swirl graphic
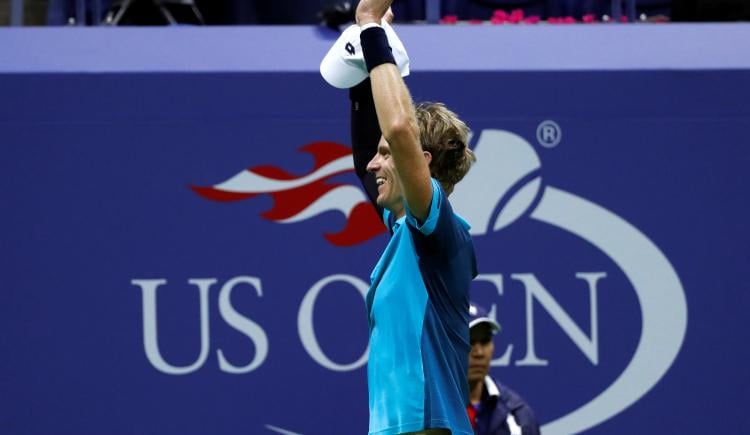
[[342, 199], [659, 292], [506, 164], [250, 182]]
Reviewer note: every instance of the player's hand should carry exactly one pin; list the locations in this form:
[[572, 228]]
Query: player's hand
[[372, 11]]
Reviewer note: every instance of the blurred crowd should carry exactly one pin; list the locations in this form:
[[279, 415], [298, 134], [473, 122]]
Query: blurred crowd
[[238, 12]]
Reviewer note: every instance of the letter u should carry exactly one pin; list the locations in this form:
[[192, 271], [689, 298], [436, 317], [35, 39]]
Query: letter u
[[150, 335]]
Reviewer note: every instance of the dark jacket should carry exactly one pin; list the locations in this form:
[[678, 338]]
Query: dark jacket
[[498, 402]]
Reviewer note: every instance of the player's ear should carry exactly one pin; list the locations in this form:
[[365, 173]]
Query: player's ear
[[427, 156]]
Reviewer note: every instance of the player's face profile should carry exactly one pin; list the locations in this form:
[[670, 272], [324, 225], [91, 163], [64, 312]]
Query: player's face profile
[[390, 194]]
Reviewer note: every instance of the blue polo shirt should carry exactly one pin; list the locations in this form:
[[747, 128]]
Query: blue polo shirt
[[418, 306]]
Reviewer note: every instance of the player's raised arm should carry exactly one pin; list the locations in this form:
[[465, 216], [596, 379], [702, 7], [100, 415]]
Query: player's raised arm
[[395, 110]]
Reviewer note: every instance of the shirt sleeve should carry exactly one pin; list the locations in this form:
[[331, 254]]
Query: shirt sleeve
[[430, 223], [443, 234]]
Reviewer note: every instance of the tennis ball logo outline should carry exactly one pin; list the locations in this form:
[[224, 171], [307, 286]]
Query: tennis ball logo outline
[[514, 168], [503, 186]]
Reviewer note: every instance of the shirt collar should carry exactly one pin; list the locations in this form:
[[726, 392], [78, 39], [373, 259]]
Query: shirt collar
[[491, 387], [397, 223], [512, 401]]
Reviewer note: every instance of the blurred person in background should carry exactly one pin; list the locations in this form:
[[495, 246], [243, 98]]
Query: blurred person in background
[[34, 12], [494, 409]]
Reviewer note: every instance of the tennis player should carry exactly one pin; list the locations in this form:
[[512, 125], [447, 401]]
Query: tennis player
[[409, 158]]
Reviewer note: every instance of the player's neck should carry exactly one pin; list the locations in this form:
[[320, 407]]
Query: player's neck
[[397, 212]]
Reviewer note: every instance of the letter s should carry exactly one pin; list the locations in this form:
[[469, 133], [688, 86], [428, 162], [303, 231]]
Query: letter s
[[242, 324]]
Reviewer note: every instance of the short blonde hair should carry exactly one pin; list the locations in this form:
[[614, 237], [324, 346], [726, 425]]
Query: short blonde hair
[[444, 136]]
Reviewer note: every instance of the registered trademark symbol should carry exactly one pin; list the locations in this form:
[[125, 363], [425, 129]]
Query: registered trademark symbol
[[548, 134]]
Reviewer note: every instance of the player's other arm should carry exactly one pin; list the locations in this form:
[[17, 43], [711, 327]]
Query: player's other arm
[[365, 135], [397, 120]]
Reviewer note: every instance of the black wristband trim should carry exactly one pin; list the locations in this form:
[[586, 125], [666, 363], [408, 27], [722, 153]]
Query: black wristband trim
[[375, 47]]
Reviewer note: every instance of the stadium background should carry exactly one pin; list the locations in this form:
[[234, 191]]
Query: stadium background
[[106, 132]]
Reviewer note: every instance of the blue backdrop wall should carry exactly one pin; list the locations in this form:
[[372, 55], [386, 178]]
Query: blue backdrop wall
[[182, 242]]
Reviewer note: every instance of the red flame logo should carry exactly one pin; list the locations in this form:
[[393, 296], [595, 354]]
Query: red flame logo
[[297, 198]]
